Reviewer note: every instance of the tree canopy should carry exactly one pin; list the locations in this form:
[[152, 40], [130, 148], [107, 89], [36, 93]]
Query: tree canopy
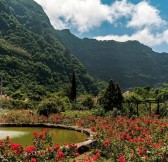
[[112, 97]]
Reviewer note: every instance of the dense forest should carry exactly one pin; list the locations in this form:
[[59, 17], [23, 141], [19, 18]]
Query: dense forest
[[129, 63], [32, 60]]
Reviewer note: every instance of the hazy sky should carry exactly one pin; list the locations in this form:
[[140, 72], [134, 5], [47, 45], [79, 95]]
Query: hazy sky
[[120, 20]]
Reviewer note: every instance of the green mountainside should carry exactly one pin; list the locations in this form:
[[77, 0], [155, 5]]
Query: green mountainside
[[129, 63], [36, 59], [32, 60]]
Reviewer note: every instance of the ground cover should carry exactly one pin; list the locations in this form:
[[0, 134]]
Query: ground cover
[[118, 139]]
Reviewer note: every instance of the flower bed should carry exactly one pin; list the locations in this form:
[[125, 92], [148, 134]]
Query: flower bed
[[140, 139], [118, 138]]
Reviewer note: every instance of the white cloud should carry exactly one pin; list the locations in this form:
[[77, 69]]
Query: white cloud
[[121, 9], [85, 15], [145, 15], [82, 15], [147, 24], [164, 36], [144, 36]]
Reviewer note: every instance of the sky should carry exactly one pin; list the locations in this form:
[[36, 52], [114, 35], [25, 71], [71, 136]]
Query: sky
[[120, 20]]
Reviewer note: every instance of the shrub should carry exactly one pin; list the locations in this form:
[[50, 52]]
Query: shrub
[[18, 95], [99, 111], [53, 104], [17, 104], [88, 102], [78, 106], [5, 104]]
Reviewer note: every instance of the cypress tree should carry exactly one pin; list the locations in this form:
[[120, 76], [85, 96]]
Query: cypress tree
[[73, 88]]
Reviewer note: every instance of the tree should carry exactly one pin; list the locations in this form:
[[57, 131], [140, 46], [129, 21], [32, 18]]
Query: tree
[[73, 88], [144, 92], [112, 97]]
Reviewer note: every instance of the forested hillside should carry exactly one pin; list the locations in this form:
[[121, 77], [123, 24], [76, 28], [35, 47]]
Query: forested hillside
[[36, 59], [129, 63], [32, 60]]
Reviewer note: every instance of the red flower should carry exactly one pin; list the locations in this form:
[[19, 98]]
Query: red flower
[[56, 147], [157, 145], [106, 143], [2, 146], [7, 137], [17, 148], [49, 149], [59, 155], [93, 129], [30, 149], [35, 134], [95, 157], [122, 158], [42, 136], [33, 160]]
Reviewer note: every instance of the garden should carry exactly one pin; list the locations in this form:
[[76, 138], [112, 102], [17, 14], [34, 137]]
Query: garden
[[116, 138], [119, 134]]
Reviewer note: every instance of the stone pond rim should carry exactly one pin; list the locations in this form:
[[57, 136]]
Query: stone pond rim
[[82, 146]]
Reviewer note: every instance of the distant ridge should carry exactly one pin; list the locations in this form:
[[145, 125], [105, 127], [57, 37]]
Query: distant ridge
[[128, 63]]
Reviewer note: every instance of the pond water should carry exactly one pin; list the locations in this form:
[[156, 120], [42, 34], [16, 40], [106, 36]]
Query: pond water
[[24, 135]]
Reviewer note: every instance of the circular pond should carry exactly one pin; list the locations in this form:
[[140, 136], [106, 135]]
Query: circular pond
[[24, 135]]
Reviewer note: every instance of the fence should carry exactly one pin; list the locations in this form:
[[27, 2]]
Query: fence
[[149, 102]]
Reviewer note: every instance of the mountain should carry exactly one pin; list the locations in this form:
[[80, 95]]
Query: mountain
[[32, 60], [128, 63]]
